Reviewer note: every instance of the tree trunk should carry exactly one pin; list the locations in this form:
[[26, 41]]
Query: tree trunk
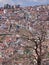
[[39, 61]]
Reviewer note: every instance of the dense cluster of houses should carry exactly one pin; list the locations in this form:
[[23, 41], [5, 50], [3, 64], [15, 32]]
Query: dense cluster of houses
[[13, 23]]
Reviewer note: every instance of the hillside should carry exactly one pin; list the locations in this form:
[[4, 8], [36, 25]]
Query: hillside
[[17, 24]]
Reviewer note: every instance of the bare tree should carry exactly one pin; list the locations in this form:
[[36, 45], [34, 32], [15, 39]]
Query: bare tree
[[38, 38]]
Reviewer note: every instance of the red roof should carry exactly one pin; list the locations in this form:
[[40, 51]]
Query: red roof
[[1, 60], [1, 11], [2, 45]]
